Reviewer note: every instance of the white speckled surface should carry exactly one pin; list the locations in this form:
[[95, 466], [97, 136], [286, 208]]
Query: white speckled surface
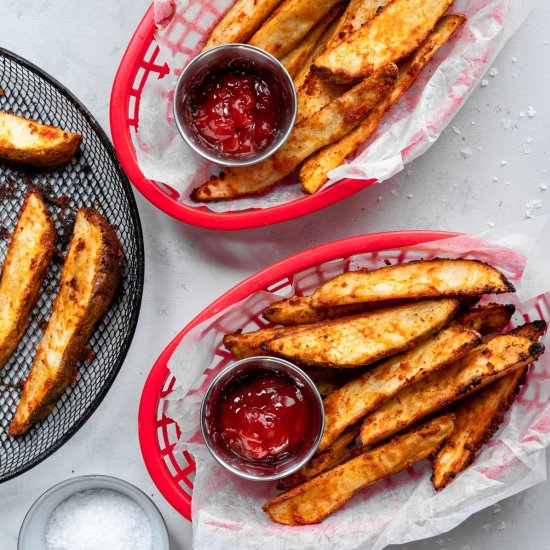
[[81, 43]]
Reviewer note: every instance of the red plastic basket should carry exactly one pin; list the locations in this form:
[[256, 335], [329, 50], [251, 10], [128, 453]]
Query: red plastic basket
[[172, 471], [140, 63]]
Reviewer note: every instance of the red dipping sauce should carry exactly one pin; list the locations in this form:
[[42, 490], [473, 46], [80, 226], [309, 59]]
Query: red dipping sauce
[[264, 416], [236, 112]]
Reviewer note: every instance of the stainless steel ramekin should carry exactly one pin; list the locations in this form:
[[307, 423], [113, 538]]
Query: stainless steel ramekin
[[260, 471], [237, 56]]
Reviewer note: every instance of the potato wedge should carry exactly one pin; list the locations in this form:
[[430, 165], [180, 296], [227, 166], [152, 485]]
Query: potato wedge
[[240, 22], [342, 450], [27, 141], [479, 416], [487, 320], [290, 22], [485, 364], [329, 124], [389, 37], [418, 279], [314, 172], [24, 269], [296, 57], [347, 405], [364, 338], [91, 273], [315, 92], [315, 499]]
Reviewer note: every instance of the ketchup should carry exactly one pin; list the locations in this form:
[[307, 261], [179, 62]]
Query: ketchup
[[264, 416], [236, 112]]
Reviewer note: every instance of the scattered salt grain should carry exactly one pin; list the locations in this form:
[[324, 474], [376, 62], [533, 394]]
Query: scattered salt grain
[[531, 207], [502, 526], [409, 172], [507, 182], [394, 192], [495, 179], [457, 130], [484, 83], [545, 42], [506, 123], [466, 152], [493, 71], [514, 59], [487, 527], [521, 114], [526, 150], [473, 123], [531, 112], [441, 542], [491, 224], [529, 140], [99, 519], [497, 509], [543, 186], [410, 196], [503, 162]]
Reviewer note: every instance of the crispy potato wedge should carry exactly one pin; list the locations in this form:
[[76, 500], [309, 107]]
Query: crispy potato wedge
[[479, 416], [295, 58], [350, 403], [240, 22], [314, 172], [487, 320], [27, 141], [418, 279], [315, 499], [342, 450], [485, 364], [248, 344], [364, 338], [329, 124], [290, 22], [91, 273], [315, 92], [26, 264], [389, 37]]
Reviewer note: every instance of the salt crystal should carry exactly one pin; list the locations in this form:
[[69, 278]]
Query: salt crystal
[[408, 172], [543, 186], [506, 123], [394, 192], [507, 182], [514, 59], [502, 526], [526, 150], [495, 179], [409, 196], [496, 509], [457, 130], [503, 162], [545, 42], [530, 140], [487, 527], [466, 152], [531, 111], [484, 83], [521, 114], [441, 542], [99, 519], [491, 224], [493, 71], [473, 123], [531, 207]]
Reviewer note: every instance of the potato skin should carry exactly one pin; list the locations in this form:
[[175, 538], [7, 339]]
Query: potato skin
[[46, 382], [29, 142]]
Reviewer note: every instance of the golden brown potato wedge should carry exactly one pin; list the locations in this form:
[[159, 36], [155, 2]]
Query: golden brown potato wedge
[[315, 92], [27, 141], [240, 22], [485, 364], [290, 22], [26, 264], [362, 395], [487, 320], [295, 58], [364, 338], [314, 172], [479, 416], [342, 450], [315, 499], [389, 37], [91, 273], [329, 124], [418, 279]]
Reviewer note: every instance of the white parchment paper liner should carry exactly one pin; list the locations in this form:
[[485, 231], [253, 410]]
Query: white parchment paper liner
[[227, 510], [407, 131]]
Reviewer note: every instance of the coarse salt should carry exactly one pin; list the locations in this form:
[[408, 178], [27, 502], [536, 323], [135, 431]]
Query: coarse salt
[[493, 71], [99, 519]]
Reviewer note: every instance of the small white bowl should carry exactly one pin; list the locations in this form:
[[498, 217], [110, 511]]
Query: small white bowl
[[32, 535]]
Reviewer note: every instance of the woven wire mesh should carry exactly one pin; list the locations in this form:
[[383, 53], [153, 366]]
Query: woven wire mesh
[[92, 179]]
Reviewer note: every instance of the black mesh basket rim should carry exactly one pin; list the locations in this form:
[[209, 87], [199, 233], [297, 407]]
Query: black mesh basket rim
[[138, 290]]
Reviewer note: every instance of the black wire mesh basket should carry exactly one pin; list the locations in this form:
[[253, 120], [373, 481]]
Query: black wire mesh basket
[[92, 179]]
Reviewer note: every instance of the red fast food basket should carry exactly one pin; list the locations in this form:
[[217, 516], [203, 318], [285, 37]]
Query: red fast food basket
[[141, 63], [172, 470]]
